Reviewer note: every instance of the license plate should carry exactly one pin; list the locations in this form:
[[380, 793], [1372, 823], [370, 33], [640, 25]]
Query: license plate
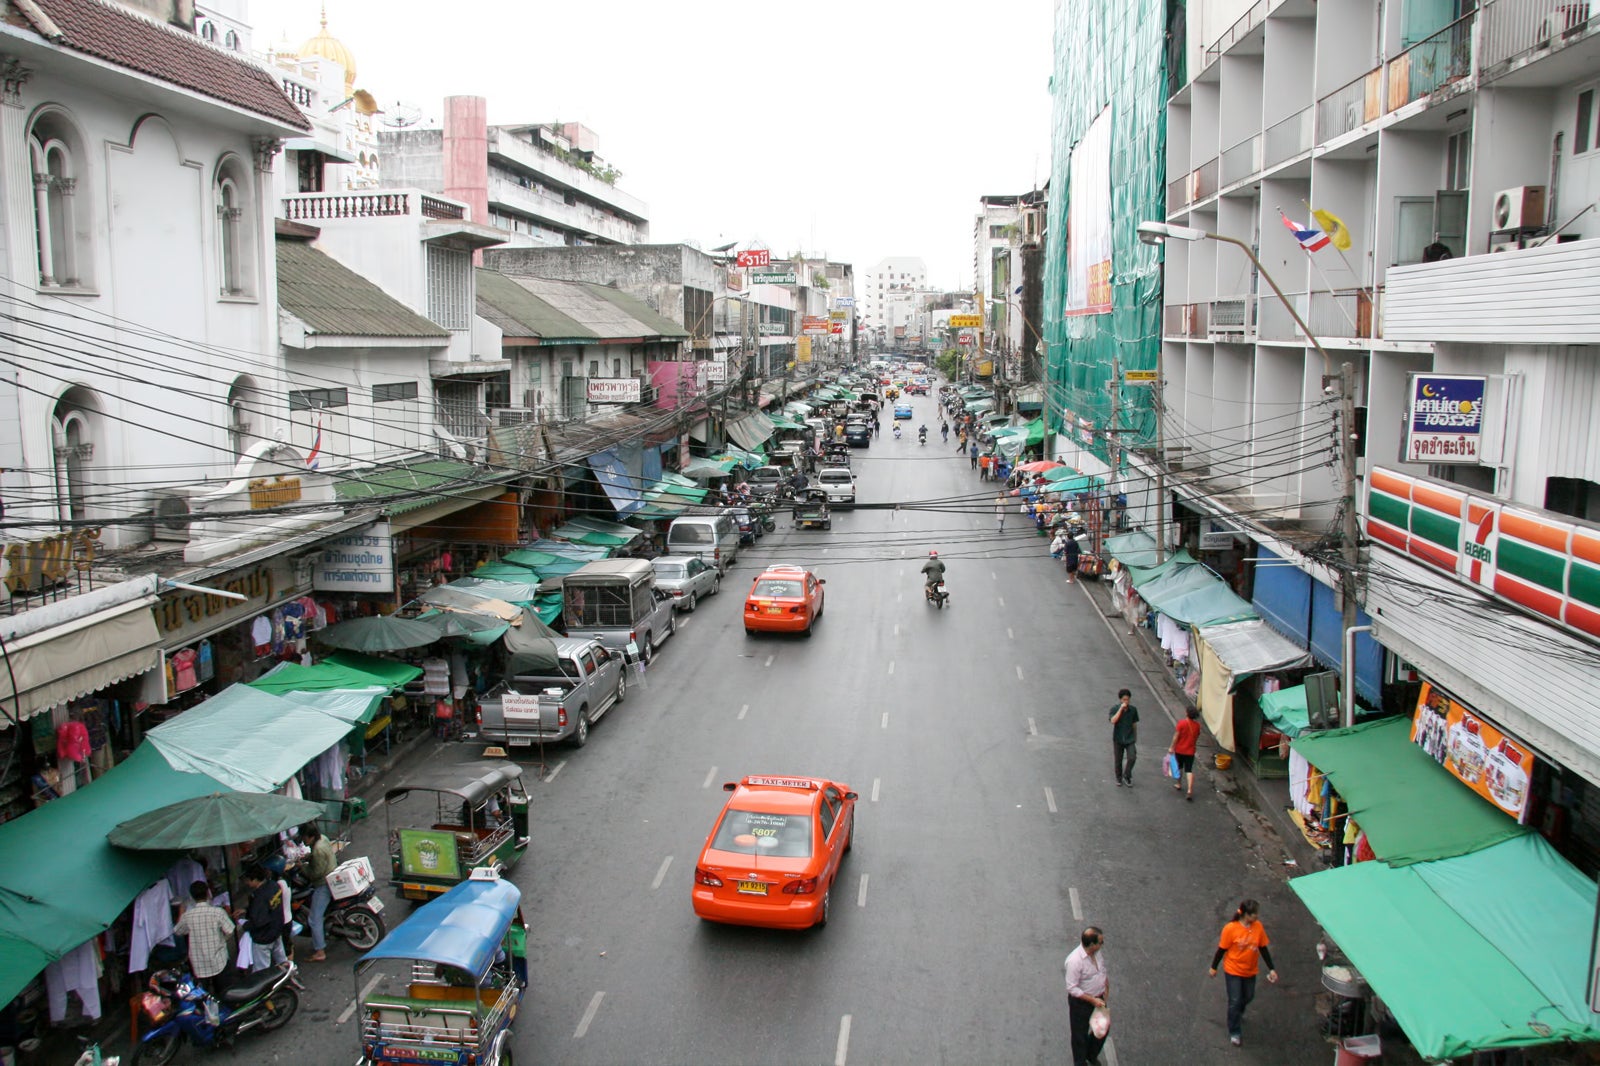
[[376, 904], [774, 610], [753, 888]]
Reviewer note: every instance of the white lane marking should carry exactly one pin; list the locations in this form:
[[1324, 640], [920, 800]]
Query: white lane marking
[[1019, 673], [365, 992], [744, 710], [1077, 908], [861, 894], [679, 623], [1002, 601], [380, 803], [710, 777], [884, 724], [771, 657], [1033, 728], [891, 667], [554, 770], [661, 874], [897, 629], [588, 1015], [1050, 800], [900, 573], [1010, 634], [898, 596], [824, 551], [993, 576], [876, 781], [842, 1051]]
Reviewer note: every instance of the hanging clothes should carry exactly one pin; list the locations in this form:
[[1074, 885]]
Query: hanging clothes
[[1299, 771], [72, 741], [185, 669], [330, 767], [76, 971], [261, 635], [182, 874], [152, 924], [205, 665]]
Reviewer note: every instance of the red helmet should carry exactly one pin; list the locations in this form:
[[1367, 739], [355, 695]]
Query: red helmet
[[933, 555]]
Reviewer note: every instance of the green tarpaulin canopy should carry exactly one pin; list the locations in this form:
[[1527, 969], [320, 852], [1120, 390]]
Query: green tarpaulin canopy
[[781, 421], [1035, 431], [978, 407], [517, 592], [1485, 950], [1412, 809], [1152, 571], [591, 537], [740, 457], [1132, 549], [601, 525], [1286, 710], [506, 571], [388, 671], [249, 740], [357, 706], [707, 469], [470, 626], [548, 607]]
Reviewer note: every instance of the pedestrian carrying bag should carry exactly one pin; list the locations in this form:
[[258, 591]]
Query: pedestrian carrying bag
[[1100, 1022], [1170, 765]]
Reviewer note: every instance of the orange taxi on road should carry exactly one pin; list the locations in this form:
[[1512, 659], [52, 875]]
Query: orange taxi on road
[[774, 852], [783, 599]]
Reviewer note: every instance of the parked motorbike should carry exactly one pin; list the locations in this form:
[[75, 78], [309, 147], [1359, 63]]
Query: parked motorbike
[[357, 919], [183, 1012], [936, 594], [762, 513]]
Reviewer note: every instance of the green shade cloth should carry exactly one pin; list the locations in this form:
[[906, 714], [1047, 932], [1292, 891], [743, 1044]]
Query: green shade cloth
[[1286, 710], [1144, 574], [978, 407], [590, 537], [781, 421], [601, 525], [1484, 950], [1132, 549], [64, 882], [212, 820], [1187, 592], [506, 571], [480, 629], [1412, 809], [379, 632], [1066, 473], [565, 550], [357, 706], [387, 671], [548, 607], [247, 739], [1073, 483], [709, 468], [517, 592], [740, 457], [560, 567], [1035, 431]]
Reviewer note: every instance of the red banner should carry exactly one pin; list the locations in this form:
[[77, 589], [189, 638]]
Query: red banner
[[836, 327], [755, 257]]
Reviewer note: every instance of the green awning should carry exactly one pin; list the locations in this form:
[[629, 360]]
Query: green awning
[[1189, 593], [1481, 951], [1035, 431], [356, 706], [592, 537], [1412, 809], [1175, 561], [740, 457], [601, 525], [338, 671], [389, 672], [709, 468], [506, 571], [548, 607], [64, 882], [780, 421], [250, 740], [1132, 549], [520, 593], [978, 407], [560, 567], [1286, 710]]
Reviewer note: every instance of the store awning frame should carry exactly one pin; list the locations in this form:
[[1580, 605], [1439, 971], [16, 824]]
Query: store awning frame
[[52, 666]]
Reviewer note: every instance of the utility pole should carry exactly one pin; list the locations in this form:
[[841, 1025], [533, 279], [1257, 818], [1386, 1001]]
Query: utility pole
[[1161, 459], [1350, 526]]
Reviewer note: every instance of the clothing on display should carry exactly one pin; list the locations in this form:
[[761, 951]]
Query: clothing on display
[[181, 875], [205, 665], [152, 924], [72, 741], [185, 669], [76, 971], [1299, 771], [261, 635]]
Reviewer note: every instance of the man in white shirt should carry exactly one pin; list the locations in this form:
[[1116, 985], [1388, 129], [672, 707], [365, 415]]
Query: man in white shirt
[[1087, 988]]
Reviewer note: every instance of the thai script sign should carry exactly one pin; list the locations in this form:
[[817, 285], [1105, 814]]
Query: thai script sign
[[34, 565], [1493, 765], [181, 610], [754, 257], [1444, 422], [966, 321], [360, 562], [813, 324], [774, 277], [614, 390]]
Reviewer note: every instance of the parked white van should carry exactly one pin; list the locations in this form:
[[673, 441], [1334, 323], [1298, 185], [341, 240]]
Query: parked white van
[[713, 537]]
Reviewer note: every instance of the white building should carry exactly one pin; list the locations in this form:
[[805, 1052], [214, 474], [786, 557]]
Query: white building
[[895, 276], [1460, 147]]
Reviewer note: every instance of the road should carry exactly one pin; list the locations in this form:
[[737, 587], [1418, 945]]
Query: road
[[989, 831]]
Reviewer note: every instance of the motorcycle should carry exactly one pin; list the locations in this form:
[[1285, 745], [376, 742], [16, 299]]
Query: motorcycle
[[357, 919], [922, 436], [183, 1012], [897, 431], [762, 513], [936, 594]]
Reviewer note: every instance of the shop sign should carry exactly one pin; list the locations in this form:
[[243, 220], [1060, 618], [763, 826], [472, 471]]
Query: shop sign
[[966, 321], [1139, 377], [844, 301], [838, 316], [802, 350], [754, 257], [774, 277], [964, 340], [733, 280], [1536, 560], [615, 390], [836, 327], [360, 562], [180, 611], [1444, 418], [266, 493], [813, 324], [1495, 766], [772, 329], [34, 565], [716, 370]]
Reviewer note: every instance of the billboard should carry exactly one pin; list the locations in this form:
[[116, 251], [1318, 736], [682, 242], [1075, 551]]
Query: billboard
[[1481, 757], [614, 390], [966, 321], [754, 257], [802, 350], [1444, 418], [1089, 221], [773, 277], [362, 561]]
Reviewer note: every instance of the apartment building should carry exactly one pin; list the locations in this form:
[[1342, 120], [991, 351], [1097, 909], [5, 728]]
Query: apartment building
[[893, 276]]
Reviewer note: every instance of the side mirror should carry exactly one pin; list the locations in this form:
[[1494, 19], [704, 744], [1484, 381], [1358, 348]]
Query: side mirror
[[729, 786], [852, 795], [822, 581]]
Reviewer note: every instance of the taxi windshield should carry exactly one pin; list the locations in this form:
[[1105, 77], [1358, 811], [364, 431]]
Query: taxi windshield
[[777, 589], [786, 836]]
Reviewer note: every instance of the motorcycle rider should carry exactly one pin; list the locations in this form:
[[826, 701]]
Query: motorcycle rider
[[922, 433], [897, 431], [932, 572]]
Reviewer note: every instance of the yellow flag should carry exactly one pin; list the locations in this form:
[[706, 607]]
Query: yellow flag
[[1335, 228]]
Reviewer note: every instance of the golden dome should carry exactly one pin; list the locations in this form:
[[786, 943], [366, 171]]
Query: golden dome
[[329, 47]]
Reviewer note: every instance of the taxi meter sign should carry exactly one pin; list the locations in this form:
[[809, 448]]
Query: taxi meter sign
[[779, 782]]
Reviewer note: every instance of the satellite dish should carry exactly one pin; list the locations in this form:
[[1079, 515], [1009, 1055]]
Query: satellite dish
[[401, 115]]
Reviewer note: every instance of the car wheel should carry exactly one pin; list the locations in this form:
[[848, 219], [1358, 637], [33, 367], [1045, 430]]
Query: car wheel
[[580, 734], [691, 603], [828, 524], [809, 625], [622, 687], [822, 605], [749, 632], [648, 652], [716, 584], [850, 841], [672, 625], [822, 914]]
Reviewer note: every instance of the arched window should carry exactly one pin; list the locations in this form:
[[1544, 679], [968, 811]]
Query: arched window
[[235, 243], [242, 399], [73, 440], [59, 232], [208, 30], [231, 41]]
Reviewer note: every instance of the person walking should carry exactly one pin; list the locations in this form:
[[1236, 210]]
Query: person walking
[[1184, 737], [318, 866], [1070, 553], [1241, 949], [1000, 511], [1124, 737], [972, 451], [210, 933], [1087, 988]]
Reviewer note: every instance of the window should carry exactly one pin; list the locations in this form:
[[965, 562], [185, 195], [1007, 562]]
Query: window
[[400, 390], [74, 447], [1458, 160], [449, 287], [1581, 139], [616, 368], [594, 368], [1572, 496], [229, 218], [235, 244], [60, 219], [208, 30], [231, 41], [318, 399], [308, 170], [997, 233]]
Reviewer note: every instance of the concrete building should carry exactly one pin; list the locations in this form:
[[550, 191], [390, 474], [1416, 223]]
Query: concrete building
[[880, 285], [540, 185], [1007, 239]]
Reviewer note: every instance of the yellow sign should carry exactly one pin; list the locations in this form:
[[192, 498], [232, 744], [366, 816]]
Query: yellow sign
[[1140, 377], [966, 321], [802, 349]]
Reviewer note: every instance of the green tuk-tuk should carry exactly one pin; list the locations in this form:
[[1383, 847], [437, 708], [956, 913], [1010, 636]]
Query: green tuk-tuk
[[454, 820]]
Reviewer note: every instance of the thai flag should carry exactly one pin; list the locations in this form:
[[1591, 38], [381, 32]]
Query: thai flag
[[1310, 239], [316, 448]]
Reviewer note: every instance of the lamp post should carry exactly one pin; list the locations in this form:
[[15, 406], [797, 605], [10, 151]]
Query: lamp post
[[1344, 380]]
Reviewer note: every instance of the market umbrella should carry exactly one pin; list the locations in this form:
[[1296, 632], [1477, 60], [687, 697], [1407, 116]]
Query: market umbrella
[[1040, 465], [213, 820], [456, 624], [443, 596], [379, 633]]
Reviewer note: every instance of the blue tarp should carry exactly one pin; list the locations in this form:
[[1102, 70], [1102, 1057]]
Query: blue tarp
[[462, 928], [1283, 596], [620, 486], [1307, 612]]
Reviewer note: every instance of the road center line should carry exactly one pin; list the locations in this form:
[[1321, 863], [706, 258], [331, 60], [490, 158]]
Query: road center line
[[1049, 800], [861, 893], [771, 657], [842, 1051], [661, 874], [891, 667], [1002, 601], [710, 777], [885, 723], [1033, 728], [554, 770], [993, 576], [897, 629], [876, 781], [1077, 908], [1019, 673], [365, 992], [588, 1015], [1010, 633], [744, 710]]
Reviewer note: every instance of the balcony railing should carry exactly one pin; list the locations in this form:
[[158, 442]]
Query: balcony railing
[[1242, 160], [1185, 320], [1204, 180], [1514, 28], [433, 207], [1350, 106], [1432, 62], [1343, 313], [1234, 34], [1274, 321], [1178, 194], [1232, 317], [317, 207], [1287, 139]]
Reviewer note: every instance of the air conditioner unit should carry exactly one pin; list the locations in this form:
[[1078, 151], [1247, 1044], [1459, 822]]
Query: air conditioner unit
[[1504, 246], [1519, 208], [171, 511]]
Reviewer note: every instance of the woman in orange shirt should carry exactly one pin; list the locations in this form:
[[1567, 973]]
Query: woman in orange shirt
[[1240, 949]]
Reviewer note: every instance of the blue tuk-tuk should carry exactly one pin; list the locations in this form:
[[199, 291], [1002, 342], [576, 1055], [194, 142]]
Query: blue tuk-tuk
[[445, 985]]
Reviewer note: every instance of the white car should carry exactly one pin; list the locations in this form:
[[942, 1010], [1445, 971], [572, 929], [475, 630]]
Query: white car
[[839, 483]]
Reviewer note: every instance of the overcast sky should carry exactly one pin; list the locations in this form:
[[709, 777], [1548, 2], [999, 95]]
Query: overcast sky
[[858, 129]]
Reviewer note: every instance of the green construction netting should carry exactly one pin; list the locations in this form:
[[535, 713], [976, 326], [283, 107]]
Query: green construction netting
[[1111, 60]]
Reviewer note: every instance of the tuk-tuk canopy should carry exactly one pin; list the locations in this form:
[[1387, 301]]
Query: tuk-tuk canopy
[[473, 782], [462, 928]]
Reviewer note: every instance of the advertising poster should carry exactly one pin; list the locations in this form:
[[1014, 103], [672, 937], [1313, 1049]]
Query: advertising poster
[[357, 562], [1445, 423], [1089, 221], [1481, 757], [429, 853]]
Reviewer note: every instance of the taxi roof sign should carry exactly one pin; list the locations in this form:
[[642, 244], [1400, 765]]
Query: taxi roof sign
[[782, 782]]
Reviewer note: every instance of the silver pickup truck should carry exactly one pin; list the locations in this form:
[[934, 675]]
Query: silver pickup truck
[[560, 704]]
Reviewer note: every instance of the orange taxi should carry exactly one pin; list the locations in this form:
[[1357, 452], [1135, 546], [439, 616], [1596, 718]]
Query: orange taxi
[[783, 599], [774, 852]]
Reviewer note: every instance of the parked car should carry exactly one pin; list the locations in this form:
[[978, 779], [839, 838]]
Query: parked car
[[713, 537], [616, 602], [765, 479], [688, 578], [839, 483], [858, 435], [559, 702], [749, 529]]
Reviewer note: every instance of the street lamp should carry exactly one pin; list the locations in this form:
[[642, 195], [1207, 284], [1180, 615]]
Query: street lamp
[[1161, 232]]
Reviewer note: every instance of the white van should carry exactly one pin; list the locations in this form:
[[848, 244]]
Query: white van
[[712, 537]]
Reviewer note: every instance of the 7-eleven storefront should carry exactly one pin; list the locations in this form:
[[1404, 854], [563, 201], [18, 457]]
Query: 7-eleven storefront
[[1498, 605]]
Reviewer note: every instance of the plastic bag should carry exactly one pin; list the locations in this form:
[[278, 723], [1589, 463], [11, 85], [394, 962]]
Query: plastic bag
[[1100, 1022], [1169, 766]]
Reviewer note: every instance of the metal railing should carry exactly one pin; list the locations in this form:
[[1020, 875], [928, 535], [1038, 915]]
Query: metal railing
[[1342, 313], [1434, 61], [1185, 320], [1350, 106], [1512, 29], [1235, 316], [433, 207], [1287, 139], [1273, 321], [1234, 34], [1204, 180], [1242, 160], [1178, 194]]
